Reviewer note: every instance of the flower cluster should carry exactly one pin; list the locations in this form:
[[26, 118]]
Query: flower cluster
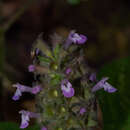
[[65, 80]]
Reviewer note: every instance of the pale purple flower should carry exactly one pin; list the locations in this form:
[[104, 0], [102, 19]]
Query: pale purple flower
[[67, 89], [31, 68], [92, 77], [22, 88], [36, 89], [44, 128], [82, 111], [68, 71], [103, 84], [25, 116], [75, 38]]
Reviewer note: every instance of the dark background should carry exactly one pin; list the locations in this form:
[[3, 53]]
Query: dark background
[[106, 23]]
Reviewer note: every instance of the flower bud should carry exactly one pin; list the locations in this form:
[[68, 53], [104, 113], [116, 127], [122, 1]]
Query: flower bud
[[63, 109], [59, 128], [55, 93]]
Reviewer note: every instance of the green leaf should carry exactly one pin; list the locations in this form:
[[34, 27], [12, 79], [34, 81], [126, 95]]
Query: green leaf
[[91, 123], [14, 126], [56, 51], [116, 106], [44, 61]]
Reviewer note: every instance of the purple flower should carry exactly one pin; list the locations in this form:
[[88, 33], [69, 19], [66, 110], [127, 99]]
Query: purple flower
[[68, 71], [31, 68], [103, 84], [75, 38], [67, 89], [92, 77], [82, 111], [44, 128], [25, 116], [22, 88], [36, 89]]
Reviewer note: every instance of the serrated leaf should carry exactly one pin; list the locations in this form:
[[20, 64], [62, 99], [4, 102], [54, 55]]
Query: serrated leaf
[[116, 106]]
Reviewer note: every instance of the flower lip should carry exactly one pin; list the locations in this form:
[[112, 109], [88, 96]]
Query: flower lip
[[68, 71], [31, 68], [36, 89], [25, 116], [107, 87], [82, 111], [67, 89], [77, 38]]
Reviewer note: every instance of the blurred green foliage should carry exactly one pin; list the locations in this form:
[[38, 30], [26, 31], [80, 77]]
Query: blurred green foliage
[[14, 126], [116, 106]]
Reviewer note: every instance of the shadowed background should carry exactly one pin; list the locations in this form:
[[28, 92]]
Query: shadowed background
[[106, 23]]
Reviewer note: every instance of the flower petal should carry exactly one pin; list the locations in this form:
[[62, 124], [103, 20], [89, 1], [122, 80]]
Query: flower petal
[[31, 68], [17, 95], [100, 84], [69, 94], [36, 89], [109, 88], [82, 111]]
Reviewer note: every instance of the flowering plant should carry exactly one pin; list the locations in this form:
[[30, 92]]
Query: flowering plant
[[64, 87]]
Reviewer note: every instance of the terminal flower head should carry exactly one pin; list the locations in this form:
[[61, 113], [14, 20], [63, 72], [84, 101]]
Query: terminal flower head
[[75, 38], [103, 84], [67, 89]]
